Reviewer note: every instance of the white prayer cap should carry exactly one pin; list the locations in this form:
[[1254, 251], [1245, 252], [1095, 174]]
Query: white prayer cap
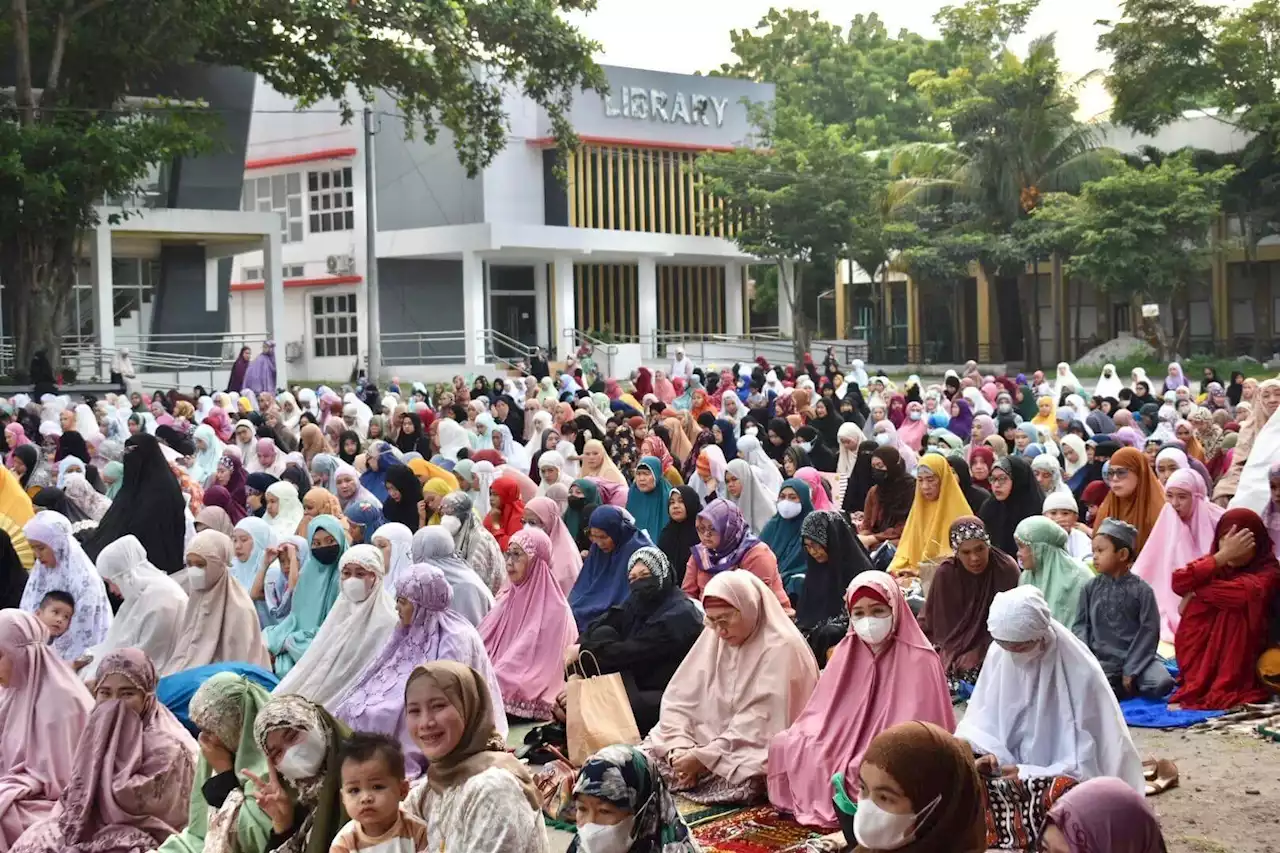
[[1060, 500]]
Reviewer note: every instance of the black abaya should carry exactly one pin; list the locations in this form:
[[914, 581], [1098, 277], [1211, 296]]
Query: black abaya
[[149, 505]]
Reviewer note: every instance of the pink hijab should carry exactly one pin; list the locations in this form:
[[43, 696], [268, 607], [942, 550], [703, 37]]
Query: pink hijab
[[44, 710], [725, 703], [911, 432], [566, 559], [663, 388], [817, 494], [1174, 543], [17, 437], [134, 771], [527, 631], [861, 693]]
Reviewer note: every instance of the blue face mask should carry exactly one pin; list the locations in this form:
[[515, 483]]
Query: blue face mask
[[915, 416], [806, 446], [882, 439]]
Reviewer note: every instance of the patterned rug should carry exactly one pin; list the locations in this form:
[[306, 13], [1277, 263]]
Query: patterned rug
[[759, 829], [696, 814], [1257, 720]]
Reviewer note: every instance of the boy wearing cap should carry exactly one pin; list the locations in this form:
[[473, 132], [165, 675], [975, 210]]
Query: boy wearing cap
[[1118, 618], [1061, 508]]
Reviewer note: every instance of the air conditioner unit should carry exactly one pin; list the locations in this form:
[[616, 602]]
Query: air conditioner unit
[[340, 264], [293, 351]]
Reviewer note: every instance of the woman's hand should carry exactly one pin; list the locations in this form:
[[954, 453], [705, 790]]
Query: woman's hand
[[218, 756], [1235, 548], [571, 655], [273, 799], [687, 768]]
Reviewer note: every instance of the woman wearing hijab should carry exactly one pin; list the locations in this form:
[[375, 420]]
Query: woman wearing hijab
[[648, 498], [1136, 495], [472, 541], [150, 506], [476, 796], [61, 564], [602, 583], [1015, 495], [284, 509], [973, 495], [150, 617], [45, 709], [938, 501], [566, 561], [680, 533], [471, 597], [314, 593], [743, 488], [134, 765], [506, 511], [1047, 566], [528, 630], [621, 780], [889, 500], [964, 585], [746, 678], [834, 557], [783, 534], [404, 493], [726, 543], [1043, 706], [884, 671], [428, 628], [1103, 814], [1224, 628], [220, 622]]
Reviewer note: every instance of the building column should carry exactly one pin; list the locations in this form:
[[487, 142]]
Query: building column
[[1220, 291], [647, 298], [104, 319], [734, 298], [786, 323], [273, 274], [844, 274], [564, 306], [473, 308], [984, 316], [914, 353], [541, 307]]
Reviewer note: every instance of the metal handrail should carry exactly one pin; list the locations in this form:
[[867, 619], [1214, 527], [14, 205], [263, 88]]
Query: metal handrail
[[580, 337], [424, 343]]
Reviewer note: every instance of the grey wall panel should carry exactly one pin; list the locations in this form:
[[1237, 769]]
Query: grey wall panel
[[179, 301], [213, 181], [420, 296]]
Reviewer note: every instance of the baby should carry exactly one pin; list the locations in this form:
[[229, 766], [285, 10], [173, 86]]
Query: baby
[[56, 611], [373, 784]]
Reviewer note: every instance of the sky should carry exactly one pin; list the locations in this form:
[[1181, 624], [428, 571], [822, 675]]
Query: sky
[[693, 35]]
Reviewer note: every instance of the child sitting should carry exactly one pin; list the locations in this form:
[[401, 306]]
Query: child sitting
[[1061, 508], [1118, 618], [373, 784], [56, 611]]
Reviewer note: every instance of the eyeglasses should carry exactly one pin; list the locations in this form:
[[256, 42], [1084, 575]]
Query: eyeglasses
[[1117, 473], [704, 529], [999, 480], [513, 554]]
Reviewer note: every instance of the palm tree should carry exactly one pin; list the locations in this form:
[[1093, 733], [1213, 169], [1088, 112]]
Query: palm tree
[[1016, 138]]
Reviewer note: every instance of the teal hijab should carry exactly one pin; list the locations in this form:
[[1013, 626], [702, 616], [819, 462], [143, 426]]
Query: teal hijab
[[576, 519], [649, 509], [782, 535], [114, 471], [313, 597]]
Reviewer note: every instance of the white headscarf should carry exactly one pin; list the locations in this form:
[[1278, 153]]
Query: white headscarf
[[400, 540], [551, 459], [858, 374], [1051, 711], [452, 437], [1065, 379], [290, 512], [73, 573], [485, 474], [1109, 384], [757, 502], [750, 449], [352, 635]]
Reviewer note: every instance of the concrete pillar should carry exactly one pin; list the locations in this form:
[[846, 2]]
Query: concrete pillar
[[647, 299], [786, 324], [984, 316], [734, 298], [844, 275], [564, 305], [473, 298], [541, 306], [273, 298], [104, 319]]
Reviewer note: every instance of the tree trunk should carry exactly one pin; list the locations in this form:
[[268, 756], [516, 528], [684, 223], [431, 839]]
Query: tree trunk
[[37, 269], [799, 322], [1261, 308], [1027, 290], [1075, 344]]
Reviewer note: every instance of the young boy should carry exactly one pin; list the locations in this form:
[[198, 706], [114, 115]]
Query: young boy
[[1118, 618], [373, 784], [1061, 508], [56, 611]]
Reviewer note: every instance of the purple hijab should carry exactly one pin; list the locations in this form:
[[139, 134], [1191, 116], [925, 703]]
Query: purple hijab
[[1107, 814], [736, 538], [261, 375], [375, 700], [961, 424]]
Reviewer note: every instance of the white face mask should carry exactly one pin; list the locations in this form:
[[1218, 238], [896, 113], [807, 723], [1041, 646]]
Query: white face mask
[[878, 829], [882, 438], [598, 838], [873, 629], [451, 523], [528, 526], [355, 589], [788, 509], [303, 759], [196, 578], [806, 446]]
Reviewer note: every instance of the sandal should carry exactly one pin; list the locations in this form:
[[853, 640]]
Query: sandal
[[1166, 778], [1149, 768]]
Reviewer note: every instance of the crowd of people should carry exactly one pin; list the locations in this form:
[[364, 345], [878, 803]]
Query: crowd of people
[[307, 620]]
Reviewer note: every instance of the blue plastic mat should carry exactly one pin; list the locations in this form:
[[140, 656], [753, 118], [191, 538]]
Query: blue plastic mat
[[175, 691], [1156, 714]]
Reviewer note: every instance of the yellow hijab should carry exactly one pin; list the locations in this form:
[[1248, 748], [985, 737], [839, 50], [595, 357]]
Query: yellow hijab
[[1048, 422], [426, 472], [440, 487], [15, 512], [926, 536]]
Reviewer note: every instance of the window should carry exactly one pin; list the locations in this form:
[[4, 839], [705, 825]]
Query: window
[[1120, 319], [290, 271], [333, 325], [280, 194], [332, 201]]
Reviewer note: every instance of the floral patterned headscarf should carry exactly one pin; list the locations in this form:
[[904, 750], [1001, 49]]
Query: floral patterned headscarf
[[622, 775]]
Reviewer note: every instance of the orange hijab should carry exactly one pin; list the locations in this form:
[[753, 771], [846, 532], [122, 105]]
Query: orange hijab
[[1142, 508], [312, 440]]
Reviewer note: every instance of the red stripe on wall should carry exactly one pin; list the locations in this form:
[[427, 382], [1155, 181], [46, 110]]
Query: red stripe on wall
[[309, 157], [237, 286], [548, 142]]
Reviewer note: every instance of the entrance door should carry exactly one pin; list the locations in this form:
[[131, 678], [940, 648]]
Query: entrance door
[[514, 316]]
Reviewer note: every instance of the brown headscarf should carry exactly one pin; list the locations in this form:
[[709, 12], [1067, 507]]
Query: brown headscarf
[[1142, 508], [928, 763], [323, 502], [955, 611], [480, 747], [681, 446], [312, 441]]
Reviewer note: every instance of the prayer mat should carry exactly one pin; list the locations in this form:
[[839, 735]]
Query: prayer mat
[[759, 829], [696, 814], [1254, 720], [1018, 808]]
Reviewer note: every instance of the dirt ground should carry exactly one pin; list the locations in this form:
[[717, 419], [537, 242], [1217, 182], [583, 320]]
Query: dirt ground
[[1228, 796]]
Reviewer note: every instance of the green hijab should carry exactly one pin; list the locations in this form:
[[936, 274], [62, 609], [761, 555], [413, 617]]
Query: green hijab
[[782, 535], [114, 471], [1029, 407], [313, 598], [1056, 574]]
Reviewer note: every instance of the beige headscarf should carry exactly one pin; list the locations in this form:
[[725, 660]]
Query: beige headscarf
[[480, 746], [681, 446], [606, 471], [220, 623], [725, 703]]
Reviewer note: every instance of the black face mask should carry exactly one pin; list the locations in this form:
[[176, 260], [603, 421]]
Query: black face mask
[[576, 502], [878, 476], [646, 589], [326, 554]]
